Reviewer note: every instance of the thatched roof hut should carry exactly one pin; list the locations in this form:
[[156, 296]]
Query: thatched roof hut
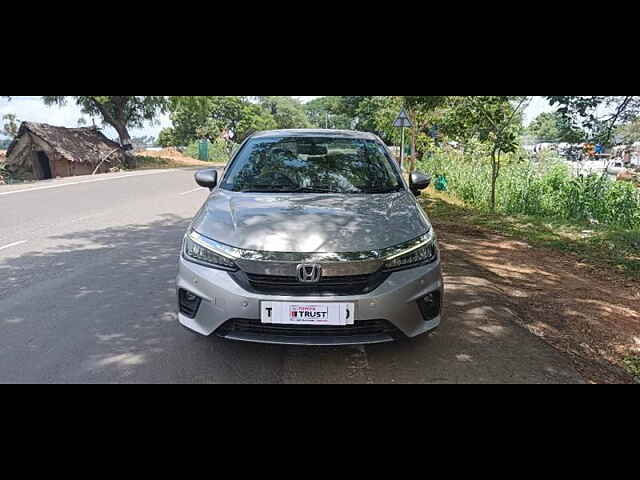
[[42, 151]]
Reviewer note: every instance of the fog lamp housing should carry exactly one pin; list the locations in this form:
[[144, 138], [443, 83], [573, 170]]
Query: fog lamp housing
[[189, 303], [430, 306]]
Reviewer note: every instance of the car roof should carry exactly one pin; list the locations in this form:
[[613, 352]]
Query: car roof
[[309, 132]]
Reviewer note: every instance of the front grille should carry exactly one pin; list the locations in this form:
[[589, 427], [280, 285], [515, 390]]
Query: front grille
[[327, 286], [361, 328]]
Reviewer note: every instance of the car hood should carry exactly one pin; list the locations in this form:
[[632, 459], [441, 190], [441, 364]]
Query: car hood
[[311, 223]]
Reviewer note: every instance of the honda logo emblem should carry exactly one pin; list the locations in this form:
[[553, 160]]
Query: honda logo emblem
[[309, 273]]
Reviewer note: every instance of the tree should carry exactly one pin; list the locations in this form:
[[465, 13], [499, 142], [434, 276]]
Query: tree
[[628, 133], [206, 117], [324, 112], [421, 111], [599, 116], [544, 127], [122, 113], [494, 120], [373, 114], [167, 138], [287, 112], [11, 125], [554, 127]]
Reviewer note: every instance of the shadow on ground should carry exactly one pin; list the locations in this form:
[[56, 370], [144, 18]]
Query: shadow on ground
[[100, 307], [591, 314]]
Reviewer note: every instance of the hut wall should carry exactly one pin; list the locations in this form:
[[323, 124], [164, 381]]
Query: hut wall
[[62, 168], [24, 162], [82, 168]]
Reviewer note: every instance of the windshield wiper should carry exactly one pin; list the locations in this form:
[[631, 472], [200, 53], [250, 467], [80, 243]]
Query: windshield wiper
[[285, 189], [383, 190], [315, 190], [269, 189]]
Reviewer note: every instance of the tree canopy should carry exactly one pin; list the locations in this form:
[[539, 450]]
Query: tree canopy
[[208, 117], [11, 125], [554, 127], [323, 112], [287, 112], [598, 116]]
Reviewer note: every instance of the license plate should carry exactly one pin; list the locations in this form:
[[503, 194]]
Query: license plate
[[288, 313]]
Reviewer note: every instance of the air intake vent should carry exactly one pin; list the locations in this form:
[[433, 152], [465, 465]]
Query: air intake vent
[[430, 306], [189, 303]]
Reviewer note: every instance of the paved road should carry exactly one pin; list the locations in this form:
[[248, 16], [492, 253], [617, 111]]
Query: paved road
[[87, 269]]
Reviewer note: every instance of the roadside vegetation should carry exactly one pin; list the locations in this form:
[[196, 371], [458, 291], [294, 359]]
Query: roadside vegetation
[[596, 245], [546, 188], [575, 291], [218, 150], [632, 365]]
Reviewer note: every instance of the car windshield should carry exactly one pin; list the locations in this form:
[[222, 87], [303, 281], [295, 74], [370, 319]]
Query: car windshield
[[313, 165]]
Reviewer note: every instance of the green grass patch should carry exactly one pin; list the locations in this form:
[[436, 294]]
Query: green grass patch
[[548, 188], [593, 244], [632, 365]]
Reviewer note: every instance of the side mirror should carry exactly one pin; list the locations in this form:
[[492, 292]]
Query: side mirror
[[207, 178], [419, 182]]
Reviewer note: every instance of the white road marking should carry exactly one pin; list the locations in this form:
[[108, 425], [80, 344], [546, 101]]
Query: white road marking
[[86, 181], [191, 191], [13, 245]]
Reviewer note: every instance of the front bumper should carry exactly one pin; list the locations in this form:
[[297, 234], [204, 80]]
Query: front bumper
[[389, 312]]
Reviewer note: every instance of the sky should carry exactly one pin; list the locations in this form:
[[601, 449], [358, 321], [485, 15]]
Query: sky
[[32, 109]]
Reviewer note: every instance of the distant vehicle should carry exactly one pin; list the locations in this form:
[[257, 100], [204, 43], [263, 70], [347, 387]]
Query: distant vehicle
[[311, 237]]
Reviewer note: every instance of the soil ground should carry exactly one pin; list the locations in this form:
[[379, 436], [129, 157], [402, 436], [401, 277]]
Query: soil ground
[[175, 158], [590, 313]]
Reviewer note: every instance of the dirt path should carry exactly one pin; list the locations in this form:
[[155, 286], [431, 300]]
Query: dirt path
[[591, 315], [176, 158]]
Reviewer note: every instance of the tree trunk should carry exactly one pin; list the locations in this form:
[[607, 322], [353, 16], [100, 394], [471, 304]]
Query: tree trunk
[[495, 170], [126, 143]]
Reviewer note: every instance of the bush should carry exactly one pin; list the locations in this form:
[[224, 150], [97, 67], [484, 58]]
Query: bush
[[544, 188], [218, 151]]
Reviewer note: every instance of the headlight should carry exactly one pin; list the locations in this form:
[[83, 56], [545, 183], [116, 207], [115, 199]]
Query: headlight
[[421, 252], [198, 252]]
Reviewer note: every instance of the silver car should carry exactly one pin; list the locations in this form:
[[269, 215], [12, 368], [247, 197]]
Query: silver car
[[311, 237]]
